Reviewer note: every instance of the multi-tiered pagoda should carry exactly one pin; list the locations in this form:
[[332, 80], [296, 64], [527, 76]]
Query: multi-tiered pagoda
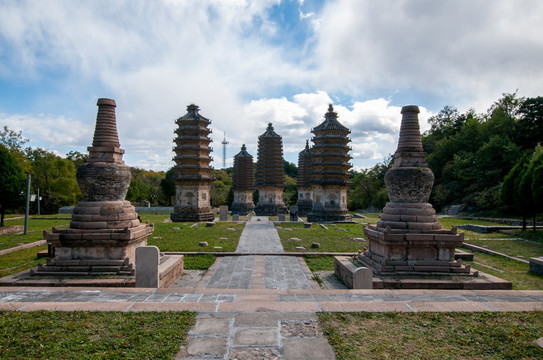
[[243, 183], [305, 193], [192, 170], [270, 174], [330, 170]]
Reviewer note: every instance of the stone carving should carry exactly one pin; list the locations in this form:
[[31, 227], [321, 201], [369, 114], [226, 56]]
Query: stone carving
[[193, 172], [408, 238], [330, 170], [105, 230]]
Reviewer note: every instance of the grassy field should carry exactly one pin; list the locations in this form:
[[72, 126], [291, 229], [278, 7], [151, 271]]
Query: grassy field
[[93, 335], [18, 261], [433, 335], [35, 229], [337, 238]]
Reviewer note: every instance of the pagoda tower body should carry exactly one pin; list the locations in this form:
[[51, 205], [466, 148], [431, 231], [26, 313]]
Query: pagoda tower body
[[270, 174], [305, 192], [408, 238], [105, 230], [330, 170], [192, 170], [243, 183]]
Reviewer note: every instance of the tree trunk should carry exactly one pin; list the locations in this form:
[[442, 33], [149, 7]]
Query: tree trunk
[[523, 222], [534, 226], [2, 213]]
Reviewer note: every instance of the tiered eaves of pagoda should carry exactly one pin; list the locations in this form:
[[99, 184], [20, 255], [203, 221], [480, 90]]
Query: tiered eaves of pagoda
[[243, 183], [305, 193], [330, 170], [193, 176], [270, 174]]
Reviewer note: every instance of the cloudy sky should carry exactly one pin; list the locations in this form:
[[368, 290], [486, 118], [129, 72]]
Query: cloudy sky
[[247, 63]]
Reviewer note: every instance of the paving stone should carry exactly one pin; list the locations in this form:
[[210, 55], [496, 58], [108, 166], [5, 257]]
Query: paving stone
[[315, 349], [211, 326], [254, 354], [300, 329], [207, 346], [256, 337]]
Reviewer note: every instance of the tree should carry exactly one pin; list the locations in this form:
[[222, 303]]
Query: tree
[[77, 158], [55, 177], [12, 183], [529, 126], [511, 190], [167, 185], [14, 142], [290, 169]]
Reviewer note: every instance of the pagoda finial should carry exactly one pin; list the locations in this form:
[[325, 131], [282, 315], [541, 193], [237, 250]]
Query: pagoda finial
[[243, 147], [330, 108], [307, 144]]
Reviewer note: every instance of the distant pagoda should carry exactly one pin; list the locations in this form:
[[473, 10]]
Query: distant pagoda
[[305, 193], [270, 174], [192, 170], [243, 183], [330, 170]]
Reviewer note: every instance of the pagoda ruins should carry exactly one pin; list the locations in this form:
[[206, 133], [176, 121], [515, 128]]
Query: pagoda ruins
[[305, 193], [193, 176], [409, 238], [270, 174], [105, 229], [243, 183], [330, 170]]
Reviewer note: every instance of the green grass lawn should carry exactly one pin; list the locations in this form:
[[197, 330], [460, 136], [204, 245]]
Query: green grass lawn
[[18, 261], [337, 238], [35, 230], [183, 237], [433, 335], [93, 335]]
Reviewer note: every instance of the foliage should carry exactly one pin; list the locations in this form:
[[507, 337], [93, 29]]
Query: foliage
[[55, 177], [529, 126], [168, 186], [77, 158], [430, 335], [368, 188], [220, 188], [17, 261], [12, 183], [35, 229], [93, 335], [145, 185], [290, 194], [14, 142], [198, 262], [290, 169]]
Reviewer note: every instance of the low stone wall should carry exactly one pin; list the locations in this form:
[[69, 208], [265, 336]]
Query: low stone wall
[[354, 277], [11, 229]]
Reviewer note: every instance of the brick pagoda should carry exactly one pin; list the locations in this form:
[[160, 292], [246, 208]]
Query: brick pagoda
[[305, 193], [104, 231], [192, 170], [243, 183], [330, 170], [270, 174], [408, 238]]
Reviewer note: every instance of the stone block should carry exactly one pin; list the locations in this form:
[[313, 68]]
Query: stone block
[[355, 277], [293, 213], [235, 217], [147, 260], [223, 213], [210, 224], [315, 245], [281, 217], [536, 265], [409, 218], [307, 225]]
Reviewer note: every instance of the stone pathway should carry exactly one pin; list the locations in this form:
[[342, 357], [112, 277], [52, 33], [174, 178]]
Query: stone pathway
[[248, 336]]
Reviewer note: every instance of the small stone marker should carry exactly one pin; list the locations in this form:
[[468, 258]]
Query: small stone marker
[[295, 239], [315, 245], [323, 226], [210, 224], [299, 248], [223, 238], [235, 217], [536, 265], [359, 239], [223, 213], [341, 229], [293, 213], [359, 216], [203, 243], [307, 225], [217, 247], [281, 217], [287, 229], [194, 225], [176, 228], [147, 259], [230, 229]]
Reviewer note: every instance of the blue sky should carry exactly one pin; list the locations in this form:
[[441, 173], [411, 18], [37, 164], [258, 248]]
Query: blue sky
[[247, 63]]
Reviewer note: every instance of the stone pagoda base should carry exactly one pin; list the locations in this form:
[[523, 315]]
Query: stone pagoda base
[[242, 208], [328, 214], [270, 209], [190, 214], [102, 238], [304, 207], [409, 239]]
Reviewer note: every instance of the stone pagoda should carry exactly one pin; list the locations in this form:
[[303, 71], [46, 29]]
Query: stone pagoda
[[408, 238], [305, 193], [330, 170], [192, 170], [243, 183], [270, 174], [105, 230]]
